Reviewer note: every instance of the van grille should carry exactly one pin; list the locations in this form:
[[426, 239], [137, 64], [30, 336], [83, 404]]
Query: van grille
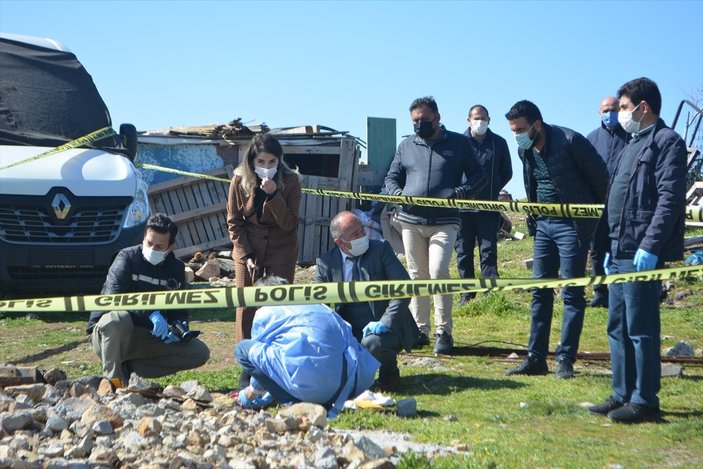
[[34, 224]]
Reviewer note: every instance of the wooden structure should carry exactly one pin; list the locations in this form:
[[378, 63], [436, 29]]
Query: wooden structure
[[325, 158]]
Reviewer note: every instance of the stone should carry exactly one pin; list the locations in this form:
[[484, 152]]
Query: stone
[[131, 399], [682, 349], [91, 382], [56, 423], [102, 427], [188, 386], [189, 404], [669, 370], [325, 458], [105, 388], [199, 393], [133, 439], [369, 448], [314, 413], [34, 391], [149, 426], [25, 399], [406, 407], [13, 421], [54, 375], [378, 464], [101, 412], [51, 451], [137, 383], [73, 408], [81, 450], [103, 454], [174, 391]]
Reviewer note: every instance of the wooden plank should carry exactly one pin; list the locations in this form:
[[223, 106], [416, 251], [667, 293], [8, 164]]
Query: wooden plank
[[179, 181], [312, 150], [307, 243], [198, 212], [212, 244]]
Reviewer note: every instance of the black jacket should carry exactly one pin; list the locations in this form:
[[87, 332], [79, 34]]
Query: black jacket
[[577, 171], [434, 169], [609, 144], [131, 273], [653, 215], [494, 157]]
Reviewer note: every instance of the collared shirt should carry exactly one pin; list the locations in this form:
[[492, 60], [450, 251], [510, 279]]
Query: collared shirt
[[347, 266]]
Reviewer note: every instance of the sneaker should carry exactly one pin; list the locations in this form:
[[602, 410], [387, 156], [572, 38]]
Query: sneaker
[[603, 409], [599, 300], [565, 369], [443, 343], [635, 413], [422, 340], [532, 365]]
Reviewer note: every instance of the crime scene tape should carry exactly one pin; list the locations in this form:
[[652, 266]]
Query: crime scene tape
[[693, 213], [89, 138], [337, 292]]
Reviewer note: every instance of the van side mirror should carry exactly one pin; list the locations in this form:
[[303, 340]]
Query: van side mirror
[[128, 134]]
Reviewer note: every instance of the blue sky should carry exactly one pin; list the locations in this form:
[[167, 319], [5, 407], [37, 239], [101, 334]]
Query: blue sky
[[169, 63]]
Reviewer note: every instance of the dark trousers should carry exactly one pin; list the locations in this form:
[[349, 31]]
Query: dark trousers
[[598, 256], [557, 251], [241, 351], [634, 329], [384, 348], [477, 228]]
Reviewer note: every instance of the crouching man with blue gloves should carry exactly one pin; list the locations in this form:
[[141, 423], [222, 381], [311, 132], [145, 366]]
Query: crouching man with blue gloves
[[147, 342], [645, 217], [383, 327], [302, 353]]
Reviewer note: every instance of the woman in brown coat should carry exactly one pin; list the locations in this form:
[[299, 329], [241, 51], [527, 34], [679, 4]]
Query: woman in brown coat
[[262, 217]]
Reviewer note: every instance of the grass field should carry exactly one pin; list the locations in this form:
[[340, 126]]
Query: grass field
[[466, 399]]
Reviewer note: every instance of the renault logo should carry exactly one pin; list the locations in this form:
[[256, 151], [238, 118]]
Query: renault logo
[[61, 206]]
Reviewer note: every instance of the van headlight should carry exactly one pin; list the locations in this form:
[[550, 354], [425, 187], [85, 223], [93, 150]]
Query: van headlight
[[138, 210]]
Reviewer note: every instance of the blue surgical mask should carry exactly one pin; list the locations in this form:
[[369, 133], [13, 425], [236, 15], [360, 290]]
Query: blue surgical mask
[[610, 119], [523, 140]]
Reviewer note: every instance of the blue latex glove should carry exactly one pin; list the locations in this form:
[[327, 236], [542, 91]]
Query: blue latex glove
[[171, 338], [644, 260], [695, 259], [160, 329], [376, 328], [606, 263], [259, 401]]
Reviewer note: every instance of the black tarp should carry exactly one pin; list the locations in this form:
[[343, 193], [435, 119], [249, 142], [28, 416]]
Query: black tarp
[[47, 97]]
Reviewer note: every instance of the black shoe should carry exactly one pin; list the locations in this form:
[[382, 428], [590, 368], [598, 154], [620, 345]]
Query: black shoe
[[635, 413], [422, 340], [388, 382], [565, 369], [443, 344], [599, 300], [532, 365], [464, 300], [603, 409]]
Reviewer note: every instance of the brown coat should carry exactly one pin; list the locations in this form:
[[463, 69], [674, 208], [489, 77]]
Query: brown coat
[[271, 240]]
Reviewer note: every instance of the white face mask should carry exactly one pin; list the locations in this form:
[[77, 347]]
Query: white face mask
[[152, 256], [264, 173], [627, 122], [478, 127], [359, 246]]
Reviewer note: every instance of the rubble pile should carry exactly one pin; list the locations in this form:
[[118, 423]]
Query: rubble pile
[[86, 424]]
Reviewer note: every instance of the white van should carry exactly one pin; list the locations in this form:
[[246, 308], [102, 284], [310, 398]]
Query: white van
[[63, 216]]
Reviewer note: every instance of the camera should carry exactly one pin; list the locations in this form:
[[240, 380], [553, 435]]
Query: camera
[[180, 330]]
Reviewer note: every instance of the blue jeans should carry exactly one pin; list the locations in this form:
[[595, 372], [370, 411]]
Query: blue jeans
[[557, 251], [280, 395], [634, 336]]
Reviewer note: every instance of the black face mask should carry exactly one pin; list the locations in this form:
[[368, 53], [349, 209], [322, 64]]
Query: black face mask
[[423, 129]]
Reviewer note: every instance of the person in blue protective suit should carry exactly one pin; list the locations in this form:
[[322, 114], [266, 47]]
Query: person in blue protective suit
[[302, 353]]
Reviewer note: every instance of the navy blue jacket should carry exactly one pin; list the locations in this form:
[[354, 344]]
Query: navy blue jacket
[[131, 273], [494, 157], [653, 215], [609, 144], [577, 172], [434, 168]]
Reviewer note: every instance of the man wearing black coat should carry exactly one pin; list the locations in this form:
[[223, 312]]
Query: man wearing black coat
[[559, 166], [608, 139], [140, 341], [383, 327]]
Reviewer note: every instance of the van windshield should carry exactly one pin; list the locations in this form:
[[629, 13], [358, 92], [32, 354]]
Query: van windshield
[[47, 98]]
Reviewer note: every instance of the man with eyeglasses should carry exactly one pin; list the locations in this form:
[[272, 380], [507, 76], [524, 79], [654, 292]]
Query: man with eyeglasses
[[559, 166], [608, 139], [431, 164], [645, 215]]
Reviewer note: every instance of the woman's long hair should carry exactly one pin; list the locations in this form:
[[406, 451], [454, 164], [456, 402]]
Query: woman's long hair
[[262, 143]]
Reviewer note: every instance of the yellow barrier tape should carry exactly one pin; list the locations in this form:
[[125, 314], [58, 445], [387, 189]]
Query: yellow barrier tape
[[90, 138], [339, 292], [693, 212]]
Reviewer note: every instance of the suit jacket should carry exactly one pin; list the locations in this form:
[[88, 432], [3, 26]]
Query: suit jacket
[[378, 263]]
